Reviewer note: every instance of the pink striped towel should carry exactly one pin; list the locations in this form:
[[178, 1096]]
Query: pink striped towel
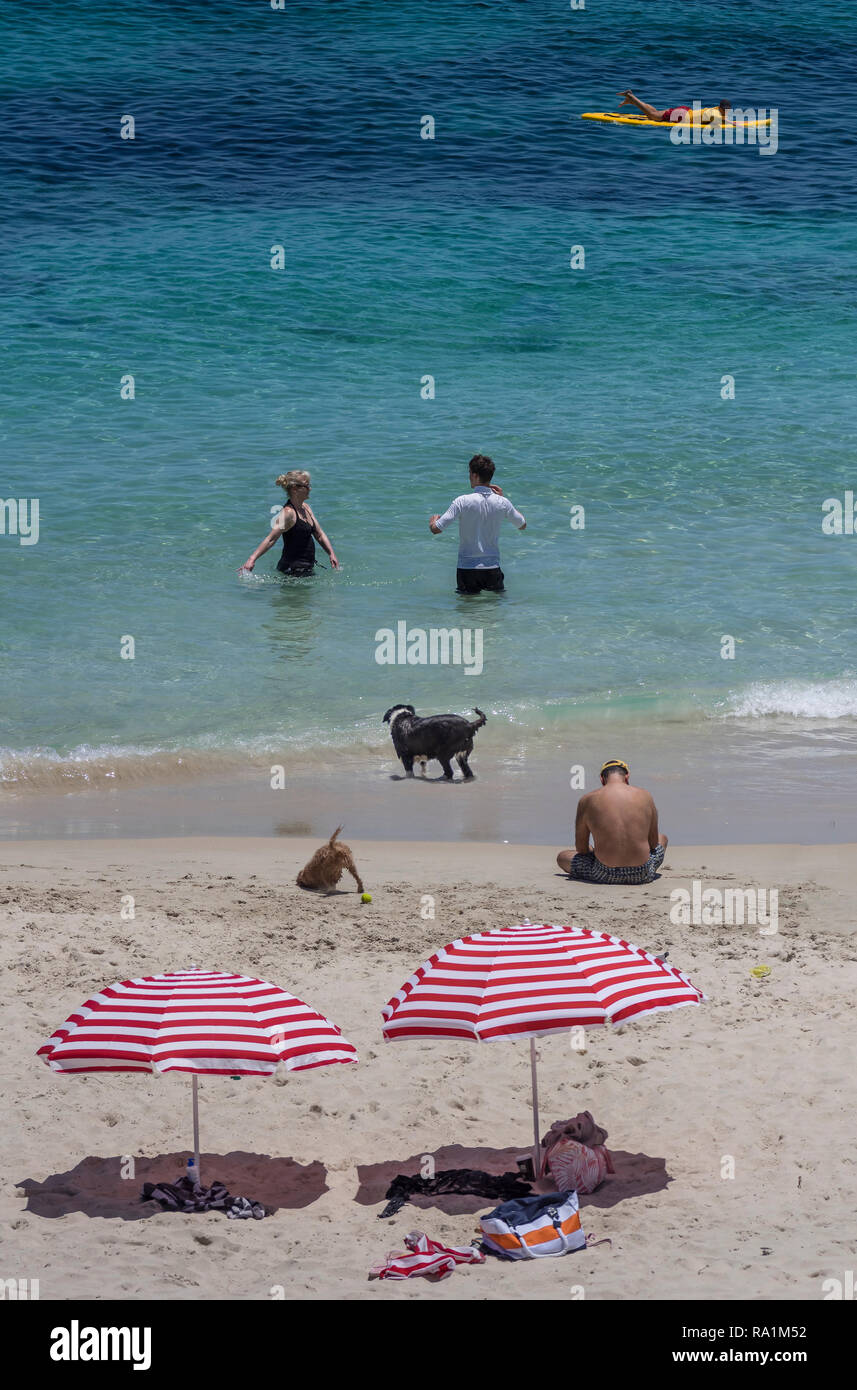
[[427, 1257]]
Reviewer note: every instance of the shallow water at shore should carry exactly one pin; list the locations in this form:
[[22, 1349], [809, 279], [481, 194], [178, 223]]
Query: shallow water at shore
[[715, 783]]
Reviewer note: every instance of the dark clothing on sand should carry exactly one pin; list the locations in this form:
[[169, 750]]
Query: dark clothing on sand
[[186, 1195], [463, 1181]]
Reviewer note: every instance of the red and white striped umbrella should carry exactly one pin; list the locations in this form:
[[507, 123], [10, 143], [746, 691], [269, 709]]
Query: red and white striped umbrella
[[528, 981], [199, 1021]]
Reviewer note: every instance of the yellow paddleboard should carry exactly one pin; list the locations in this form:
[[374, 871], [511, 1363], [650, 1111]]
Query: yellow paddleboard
[[618, 119]]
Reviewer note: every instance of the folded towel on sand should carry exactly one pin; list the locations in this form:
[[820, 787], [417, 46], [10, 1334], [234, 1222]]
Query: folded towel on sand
[[185, 1195], [465, 1181]]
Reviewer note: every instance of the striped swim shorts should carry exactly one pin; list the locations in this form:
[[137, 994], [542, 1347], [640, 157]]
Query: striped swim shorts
[[590, 870]]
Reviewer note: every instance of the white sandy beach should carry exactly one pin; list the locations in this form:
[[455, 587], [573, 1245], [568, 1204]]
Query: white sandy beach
[[763, 1072]]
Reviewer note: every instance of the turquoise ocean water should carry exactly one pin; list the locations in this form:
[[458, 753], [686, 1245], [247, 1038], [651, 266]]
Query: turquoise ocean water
[[405, 257]]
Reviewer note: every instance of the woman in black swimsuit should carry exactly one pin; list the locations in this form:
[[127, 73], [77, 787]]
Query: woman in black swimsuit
[[298, 529]]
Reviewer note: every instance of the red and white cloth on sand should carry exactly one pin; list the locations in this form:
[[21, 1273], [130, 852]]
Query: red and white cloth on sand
[[427, 1257]]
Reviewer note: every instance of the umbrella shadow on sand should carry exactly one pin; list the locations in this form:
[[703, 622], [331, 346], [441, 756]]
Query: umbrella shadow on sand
[[637, 1175], [96, 1188]]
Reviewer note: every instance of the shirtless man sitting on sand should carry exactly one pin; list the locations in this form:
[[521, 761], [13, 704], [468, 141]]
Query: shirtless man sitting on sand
[[623, 823]]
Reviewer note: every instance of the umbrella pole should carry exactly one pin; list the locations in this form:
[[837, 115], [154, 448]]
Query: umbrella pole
[[535, 1079], [196, 1127]]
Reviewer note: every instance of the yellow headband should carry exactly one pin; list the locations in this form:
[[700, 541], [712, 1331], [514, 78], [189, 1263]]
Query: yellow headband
[[614, 762]]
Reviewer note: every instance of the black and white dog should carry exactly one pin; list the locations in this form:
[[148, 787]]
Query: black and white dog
[[440, 736]]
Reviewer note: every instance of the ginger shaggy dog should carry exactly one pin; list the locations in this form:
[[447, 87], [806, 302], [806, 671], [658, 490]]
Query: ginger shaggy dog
[[327, 866]]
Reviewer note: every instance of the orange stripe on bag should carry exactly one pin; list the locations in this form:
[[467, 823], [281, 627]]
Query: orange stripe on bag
[[507, 1242], [539, 1237], [546, 1233]]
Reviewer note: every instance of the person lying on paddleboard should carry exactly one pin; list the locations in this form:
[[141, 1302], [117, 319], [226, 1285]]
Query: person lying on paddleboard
[[298, 529], [675, 113]]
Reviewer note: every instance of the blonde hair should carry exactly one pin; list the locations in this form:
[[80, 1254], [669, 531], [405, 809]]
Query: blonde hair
[[294, 475]]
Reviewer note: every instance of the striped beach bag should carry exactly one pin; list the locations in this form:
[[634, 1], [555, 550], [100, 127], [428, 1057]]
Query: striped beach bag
[[528, 1228]]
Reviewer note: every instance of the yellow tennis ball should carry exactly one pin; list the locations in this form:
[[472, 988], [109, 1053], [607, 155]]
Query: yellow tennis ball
[[760, 971], [366, 898]]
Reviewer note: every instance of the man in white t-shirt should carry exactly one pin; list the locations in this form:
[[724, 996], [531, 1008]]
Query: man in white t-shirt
[[480, 514]]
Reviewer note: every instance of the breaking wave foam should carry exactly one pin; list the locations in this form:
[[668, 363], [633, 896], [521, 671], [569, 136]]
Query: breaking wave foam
[[211, 756], [795, 700]]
